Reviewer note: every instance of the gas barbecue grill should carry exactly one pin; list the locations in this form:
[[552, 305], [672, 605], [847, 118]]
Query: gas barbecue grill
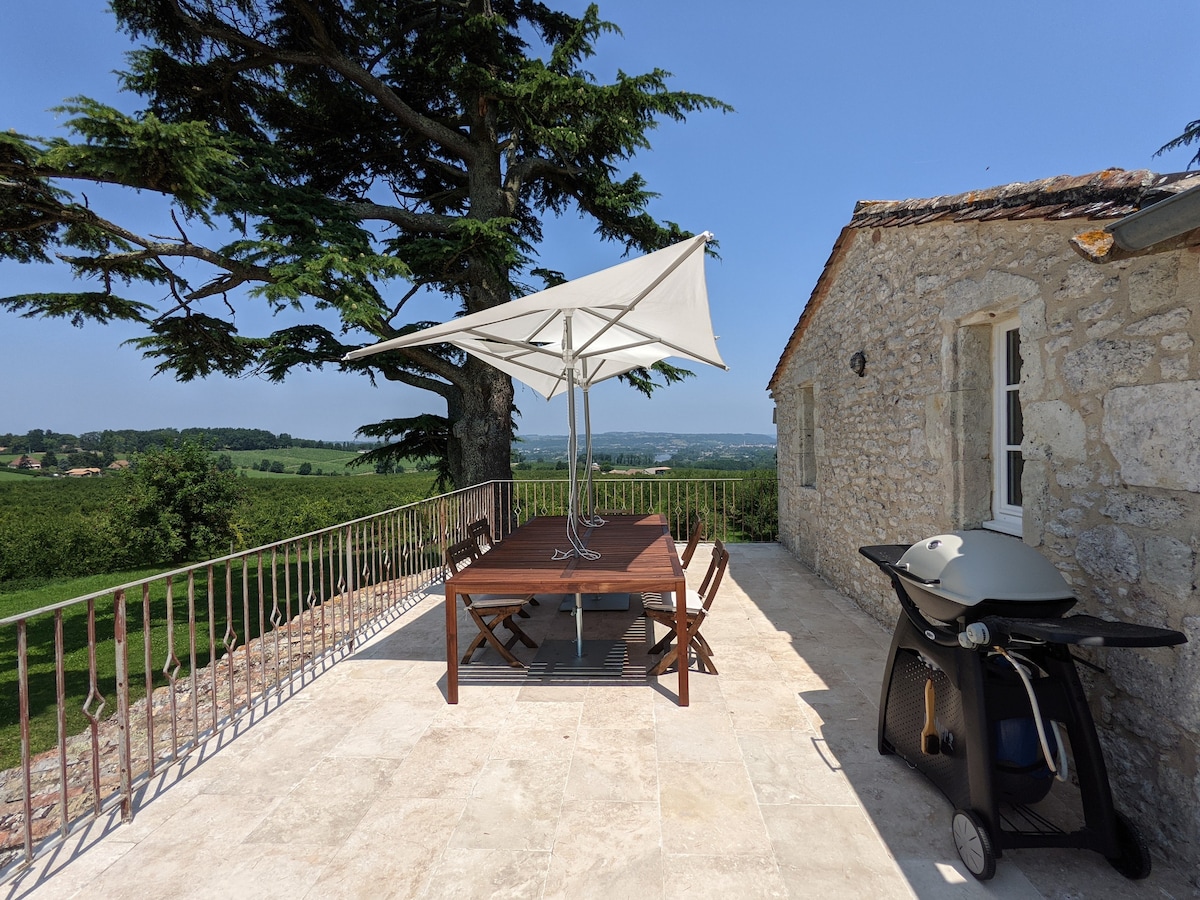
[[982, 696]]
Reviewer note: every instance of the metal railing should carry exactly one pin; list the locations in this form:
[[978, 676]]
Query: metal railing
[[185, 654], [733, 509]]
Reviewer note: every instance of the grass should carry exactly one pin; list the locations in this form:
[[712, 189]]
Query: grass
[[43, 726], [14, 598], [330, 462], [293, 457], [41, 630]]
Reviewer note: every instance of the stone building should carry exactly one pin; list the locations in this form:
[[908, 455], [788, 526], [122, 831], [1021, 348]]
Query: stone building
[[993, 360]]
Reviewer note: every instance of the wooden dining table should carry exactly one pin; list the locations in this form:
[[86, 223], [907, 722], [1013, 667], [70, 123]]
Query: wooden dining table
[[636, 553]]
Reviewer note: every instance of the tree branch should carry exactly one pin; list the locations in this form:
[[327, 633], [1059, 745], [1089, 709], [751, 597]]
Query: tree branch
[[427, 222], [329, 56]]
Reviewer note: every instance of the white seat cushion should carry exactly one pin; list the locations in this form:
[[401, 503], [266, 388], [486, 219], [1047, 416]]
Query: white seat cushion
[[665, 602]]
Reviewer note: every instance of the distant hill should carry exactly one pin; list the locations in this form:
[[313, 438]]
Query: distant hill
[[632, 448], [644, 448], [648, 439]]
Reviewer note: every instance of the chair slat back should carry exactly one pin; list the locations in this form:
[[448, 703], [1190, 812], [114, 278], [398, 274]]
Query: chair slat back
[[694, 538], [480, 531], [461, 554], [716, 571]]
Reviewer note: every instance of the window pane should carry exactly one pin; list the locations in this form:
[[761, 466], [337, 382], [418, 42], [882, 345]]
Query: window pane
[[1015, 422], [1012, 340], [1015, 464]]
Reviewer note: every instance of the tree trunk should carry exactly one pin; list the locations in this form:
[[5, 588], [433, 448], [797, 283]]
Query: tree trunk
[[481, 433]]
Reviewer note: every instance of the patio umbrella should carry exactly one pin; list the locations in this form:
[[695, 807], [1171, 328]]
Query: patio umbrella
[[587, 330]]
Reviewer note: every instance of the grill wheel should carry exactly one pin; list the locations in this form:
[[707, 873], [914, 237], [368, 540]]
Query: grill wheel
[[974, 844]]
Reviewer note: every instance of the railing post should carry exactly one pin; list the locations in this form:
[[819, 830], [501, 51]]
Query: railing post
[[350, 586], [23, 704], [121, 646]]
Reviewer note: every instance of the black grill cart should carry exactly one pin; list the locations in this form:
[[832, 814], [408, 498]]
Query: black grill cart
[[982, 696]]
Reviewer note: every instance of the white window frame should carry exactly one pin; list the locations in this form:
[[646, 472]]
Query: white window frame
[[1006, 517]]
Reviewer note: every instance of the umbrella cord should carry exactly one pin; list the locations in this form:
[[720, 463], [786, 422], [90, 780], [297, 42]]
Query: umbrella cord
[[578, 548]]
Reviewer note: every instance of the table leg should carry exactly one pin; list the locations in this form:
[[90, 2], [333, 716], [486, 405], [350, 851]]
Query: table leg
[[681, 639], [451, 644]]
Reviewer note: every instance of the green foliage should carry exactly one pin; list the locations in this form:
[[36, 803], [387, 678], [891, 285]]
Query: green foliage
[[348, 148], [293, 458], [421, 437], [176, 505], [55, 528], [1190, 135]]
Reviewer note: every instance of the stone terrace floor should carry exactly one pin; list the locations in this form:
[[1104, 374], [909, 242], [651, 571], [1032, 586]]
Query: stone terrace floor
[[363, 782]]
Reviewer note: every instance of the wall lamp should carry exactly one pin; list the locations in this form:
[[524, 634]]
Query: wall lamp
[[858, 364]]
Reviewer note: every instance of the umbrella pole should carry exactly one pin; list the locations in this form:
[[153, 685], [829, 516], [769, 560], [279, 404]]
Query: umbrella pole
[[577, 546], [578, 624]]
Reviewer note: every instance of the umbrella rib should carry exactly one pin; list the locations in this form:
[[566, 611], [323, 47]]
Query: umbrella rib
[[662, 276], [658, 339]]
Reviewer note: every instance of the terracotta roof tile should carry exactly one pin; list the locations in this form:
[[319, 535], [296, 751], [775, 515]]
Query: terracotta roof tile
[[1107, 194], [1040, 211]]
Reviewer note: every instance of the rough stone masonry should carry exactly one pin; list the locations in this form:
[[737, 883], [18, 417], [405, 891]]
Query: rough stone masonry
[[1110, 394]]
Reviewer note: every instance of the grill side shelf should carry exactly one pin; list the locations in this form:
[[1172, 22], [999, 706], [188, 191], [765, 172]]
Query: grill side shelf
[[1085, 631], [884, 555]]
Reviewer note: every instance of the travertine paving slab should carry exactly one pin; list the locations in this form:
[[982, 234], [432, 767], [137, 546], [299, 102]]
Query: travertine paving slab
[[361, 782], [605, 849]]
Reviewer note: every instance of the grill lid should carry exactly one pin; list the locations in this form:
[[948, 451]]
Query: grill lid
[[969, 567]]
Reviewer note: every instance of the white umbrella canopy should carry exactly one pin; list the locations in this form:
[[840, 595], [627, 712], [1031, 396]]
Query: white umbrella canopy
[[629, 315], [578, 333]]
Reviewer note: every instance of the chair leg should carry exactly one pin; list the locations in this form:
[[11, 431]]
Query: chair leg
[[695, 641], [517, 633], [487, 633], [703, 654], [663, 664], [662, 644]]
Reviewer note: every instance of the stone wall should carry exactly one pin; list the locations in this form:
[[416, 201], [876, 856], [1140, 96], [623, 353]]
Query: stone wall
[[1111, 397]]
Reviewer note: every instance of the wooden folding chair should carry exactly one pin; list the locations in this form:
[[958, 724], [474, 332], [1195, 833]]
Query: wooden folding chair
[[489, 611], [694, 538], [481, 532], [662, 610]]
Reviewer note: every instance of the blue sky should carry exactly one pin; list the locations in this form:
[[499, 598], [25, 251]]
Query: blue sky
[[834, 103]]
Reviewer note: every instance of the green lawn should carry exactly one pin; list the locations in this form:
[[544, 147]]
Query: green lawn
[[292, 458], [43, 725]]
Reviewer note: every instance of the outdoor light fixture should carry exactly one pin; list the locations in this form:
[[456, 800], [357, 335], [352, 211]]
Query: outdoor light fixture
[[858, 364]]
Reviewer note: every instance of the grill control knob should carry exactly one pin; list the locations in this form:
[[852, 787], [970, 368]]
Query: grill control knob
[[975, 635]]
